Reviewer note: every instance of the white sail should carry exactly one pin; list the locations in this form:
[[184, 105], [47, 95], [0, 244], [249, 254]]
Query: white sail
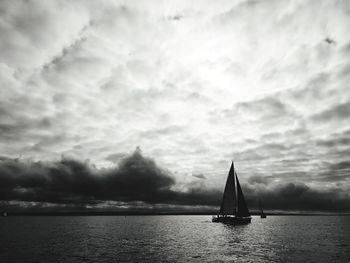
[[228, 204]]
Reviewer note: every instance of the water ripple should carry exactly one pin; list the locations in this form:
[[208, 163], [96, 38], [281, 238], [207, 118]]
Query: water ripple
[[173, 239]]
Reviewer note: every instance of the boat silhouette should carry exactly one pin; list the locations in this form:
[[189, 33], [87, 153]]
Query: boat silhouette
[[233, 207], [262, 214]]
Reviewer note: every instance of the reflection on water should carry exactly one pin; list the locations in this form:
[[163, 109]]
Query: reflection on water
[[173, 239]]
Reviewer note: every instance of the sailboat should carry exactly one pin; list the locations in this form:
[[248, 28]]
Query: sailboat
[[262, 214], [233, 207]]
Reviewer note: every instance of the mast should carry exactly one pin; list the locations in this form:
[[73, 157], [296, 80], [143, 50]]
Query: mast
[[228, 204], [242, 209], [234, 190], [261, 209]]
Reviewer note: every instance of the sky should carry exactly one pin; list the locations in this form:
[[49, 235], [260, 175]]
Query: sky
[[144, 104]]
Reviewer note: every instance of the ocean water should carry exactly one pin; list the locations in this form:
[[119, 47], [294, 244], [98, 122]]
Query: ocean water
[[173, 239]]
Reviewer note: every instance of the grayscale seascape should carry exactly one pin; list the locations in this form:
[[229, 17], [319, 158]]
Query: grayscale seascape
[[174, 131], [173, 239]]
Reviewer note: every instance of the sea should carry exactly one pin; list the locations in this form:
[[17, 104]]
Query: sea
[[173, 239]]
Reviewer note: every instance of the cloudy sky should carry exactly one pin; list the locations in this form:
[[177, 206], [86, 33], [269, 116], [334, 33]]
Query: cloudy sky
[[97, 97]]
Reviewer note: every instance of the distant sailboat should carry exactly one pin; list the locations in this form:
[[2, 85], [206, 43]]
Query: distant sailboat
[[233, 207], [262, 214]]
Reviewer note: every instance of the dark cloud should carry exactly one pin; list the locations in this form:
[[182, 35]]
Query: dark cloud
[[339, 112], [298, 196], [345, 165], [138, 179], [336, 172], [199, 176], [337, 140], [23, 127]]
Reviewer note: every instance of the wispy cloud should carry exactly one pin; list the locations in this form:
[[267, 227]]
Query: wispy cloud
[[194, 85]]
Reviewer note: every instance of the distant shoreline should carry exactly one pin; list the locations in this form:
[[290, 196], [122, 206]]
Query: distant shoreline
[[157, 214]]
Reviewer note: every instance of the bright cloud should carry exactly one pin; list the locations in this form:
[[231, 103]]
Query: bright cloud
[[194, 84]]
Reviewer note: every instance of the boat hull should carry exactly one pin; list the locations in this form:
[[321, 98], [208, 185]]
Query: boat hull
[[232, 220]]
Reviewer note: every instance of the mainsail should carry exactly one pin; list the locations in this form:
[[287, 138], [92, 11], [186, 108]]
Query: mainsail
[[233, 202], [242, 209], [228, 204]]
